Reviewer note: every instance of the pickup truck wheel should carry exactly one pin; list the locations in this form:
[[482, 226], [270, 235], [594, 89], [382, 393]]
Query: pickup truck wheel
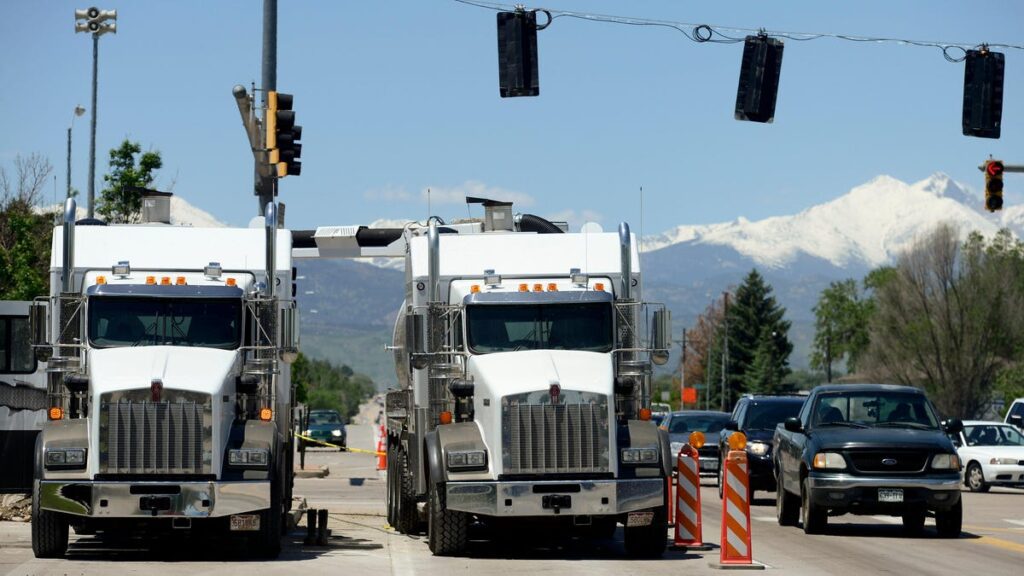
[[647, 541], [975, 478], [406, 516], [950, 522], [815, 518], [49, 531], [447, 530], [787, 506]]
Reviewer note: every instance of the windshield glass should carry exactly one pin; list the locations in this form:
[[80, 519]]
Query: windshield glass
[[506, 328], [324, 418], [767, 415], [896, 409], [992, 435], [706, 423], [121, 321]]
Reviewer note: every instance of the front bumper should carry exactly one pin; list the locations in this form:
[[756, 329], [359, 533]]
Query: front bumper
[[153, 499], [527, 498], [860, 493], [1007, 474]]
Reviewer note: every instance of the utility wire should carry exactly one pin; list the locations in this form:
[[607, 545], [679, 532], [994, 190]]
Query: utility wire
[[701, 33]]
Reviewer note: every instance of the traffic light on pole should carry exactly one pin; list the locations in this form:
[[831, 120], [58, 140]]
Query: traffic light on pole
[[283, 135], [993, 185]]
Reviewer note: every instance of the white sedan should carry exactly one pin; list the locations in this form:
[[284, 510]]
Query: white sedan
[[992, 454]]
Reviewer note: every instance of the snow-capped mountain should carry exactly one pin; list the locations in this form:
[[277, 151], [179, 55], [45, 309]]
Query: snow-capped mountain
[[182, 214], [866, 227]]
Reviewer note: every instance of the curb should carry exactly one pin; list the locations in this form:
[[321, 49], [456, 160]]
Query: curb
[[320, 472]]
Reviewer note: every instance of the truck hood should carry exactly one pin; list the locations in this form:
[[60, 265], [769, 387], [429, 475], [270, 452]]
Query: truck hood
[[182, 368], [840, 437], [504, 373]]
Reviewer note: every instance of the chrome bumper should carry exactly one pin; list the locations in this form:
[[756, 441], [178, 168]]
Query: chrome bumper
[[847, 481], [153, 499], [593, 497]]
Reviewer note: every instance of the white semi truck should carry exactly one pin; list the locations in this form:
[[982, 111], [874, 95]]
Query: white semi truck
[[168, 389], [524, 358], [22, 397]]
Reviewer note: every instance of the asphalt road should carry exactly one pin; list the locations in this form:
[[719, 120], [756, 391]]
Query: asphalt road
[[362, 543]]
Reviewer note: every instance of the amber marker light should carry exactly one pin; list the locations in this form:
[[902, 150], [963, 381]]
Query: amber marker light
[[552, 287], [266, 414], [231, 282], [56, 413], [180, 281], [737, 441], [165, 281], [524, 288], [150, 280], [538, 287], [645, 414], [446, 417], [474, 288], [101, 280], [697, 439], [599, 286]]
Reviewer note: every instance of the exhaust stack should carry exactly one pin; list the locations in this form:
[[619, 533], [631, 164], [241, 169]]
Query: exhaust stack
[[626, 258], [68, 263], [433, 262], [270, 222]]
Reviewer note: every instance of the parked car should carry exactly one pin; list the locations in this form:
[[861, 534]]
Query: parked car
[[679, 426], [757, 416], [660, 411], [872, 449], [992, 454], [326, 426], [1015, 415]]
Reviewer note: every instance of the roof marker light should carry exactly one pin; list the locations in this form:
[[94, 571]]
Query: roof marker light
[[180, 281], [552, 287], [474, 288], [524, 288], [230, 282], [150, 280], [599, 286], [538, 287], [100, 280], [165, 281]]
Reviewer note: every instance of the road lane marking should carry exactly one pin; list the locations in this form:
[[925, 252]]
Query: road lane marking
[[1017, 522], [999, 543], [992, 529], [889, 519], [764, 518]]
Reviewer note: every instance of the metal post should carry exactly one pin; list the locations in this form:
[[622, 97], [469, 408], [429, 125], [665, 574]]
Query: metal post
[[682, 371], [69, 163], [92, 141], [265, 185], [725, 345], [310, 527]]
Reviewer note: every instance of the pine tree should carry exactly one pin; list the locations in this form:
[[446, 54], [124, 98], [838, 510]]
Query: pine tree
[[755, 320]]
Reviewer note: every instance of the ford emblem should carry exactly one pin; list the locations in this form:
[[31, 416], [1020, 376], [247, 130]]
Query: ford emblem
[[889, 461]]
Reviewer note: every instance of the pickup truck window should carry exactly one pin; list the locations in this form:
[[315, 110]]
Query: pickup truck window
[[768, 415], [122, 321], [507, 328], [883, 409]]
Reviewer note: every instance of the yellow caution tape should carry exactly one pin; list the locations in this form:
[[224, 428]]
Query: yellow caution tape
[[343, 448]]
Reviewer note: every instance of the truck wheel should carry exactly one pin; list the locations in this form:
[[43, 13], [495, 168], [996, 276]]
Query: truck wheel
[[647, 541], [49, 531], [406, 516], [447, 530], [787, 506], [392, 491], [267, 542], [815, 518], [975, 478], [950, 522]]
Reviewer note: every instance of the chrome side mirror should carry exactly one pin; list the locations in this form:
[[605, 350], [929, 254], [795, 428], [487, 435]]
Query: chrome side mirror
[[415, 340], [661, 336], [39, 314], [289, 334]]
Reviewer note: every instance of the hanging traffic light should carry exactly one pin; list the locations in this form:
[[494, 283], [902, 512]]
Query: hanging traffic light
[[517, 53], [983, 93], [759, 79], [283, 135], [993, 185]]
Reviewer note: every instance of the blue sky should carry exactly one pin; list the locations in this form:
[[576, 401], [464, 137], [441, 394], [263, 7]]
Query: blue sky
[[398, 96]]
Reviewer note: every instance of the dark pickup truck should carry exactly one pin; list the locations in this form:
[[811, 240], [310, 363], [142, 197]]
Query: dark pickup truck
[[867, 449]]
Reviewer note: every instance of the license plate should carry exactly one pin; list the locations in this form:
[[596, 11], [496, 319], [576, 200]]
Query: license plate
[[639, 519], [710, 464], [890, 495], [245, 522]]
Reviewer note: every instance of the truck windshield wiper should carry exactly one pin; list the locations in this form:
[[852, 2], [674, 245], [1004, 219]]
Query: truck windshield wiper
[[914, 425], [843, 423]]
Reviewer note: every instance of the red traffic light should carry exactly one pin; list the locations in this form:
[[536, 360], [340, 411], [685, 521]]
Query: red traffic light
[[994, 168]]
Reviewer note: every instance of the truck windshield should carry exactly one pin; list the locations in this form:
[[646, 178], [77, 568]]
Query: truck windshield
[[887, 409], [507, 328], [121, 321]]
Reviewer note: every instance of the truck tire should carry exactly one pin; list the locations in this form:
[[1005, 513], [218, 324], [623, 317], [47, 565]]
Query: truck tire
[[267, 541], [787, 506], [392, 490], [406, 515], [49, 531], [447, 530], [950, 522], [815, 518], [647, 541]]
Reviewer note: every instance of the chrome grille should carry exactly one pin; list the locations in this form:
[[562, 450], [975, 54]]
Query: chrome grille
[[566, 437], [138, 436], [888, 461]]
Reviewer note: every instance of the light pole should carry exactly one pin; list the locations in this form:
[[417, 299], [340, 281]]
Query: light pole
[[78, 112], [94, 21]]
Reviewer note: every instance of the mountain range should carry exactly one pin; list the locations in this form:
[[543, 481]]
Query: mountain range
[[348, 307]]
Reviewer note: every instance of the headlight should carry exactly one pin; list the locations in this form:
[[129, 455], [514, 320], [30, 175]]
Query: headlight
[[1003, 461], [639, 455], [829, 461], [307, 432], [249, 457], [65, 458], [467, 459], [945, 462], [676, 447], [759, 448], [336, 433]]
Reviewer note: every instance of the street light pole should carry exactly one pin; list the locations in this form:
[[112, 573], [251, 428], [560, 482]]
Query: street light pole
[[95, 23], [78, 112]]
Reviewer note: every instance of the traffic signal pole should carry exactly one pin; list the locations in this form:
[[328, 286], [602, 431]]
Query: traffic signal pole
[[265, 183]]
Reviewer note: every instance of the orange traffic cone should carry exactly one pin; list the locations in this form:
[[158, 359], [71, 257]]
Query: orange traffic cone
[[736, 546], [381, 455], [688, 531]]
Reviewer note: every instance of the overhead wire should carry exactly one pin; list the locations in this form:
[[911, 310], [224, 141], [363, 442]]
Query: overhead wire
[[708, 33]]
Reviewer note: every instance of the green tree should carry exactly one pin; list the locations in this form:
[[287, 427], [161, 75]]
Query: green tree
[[321, 384], [755, 320], [24, 230], [121, 200], [840, 327]]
